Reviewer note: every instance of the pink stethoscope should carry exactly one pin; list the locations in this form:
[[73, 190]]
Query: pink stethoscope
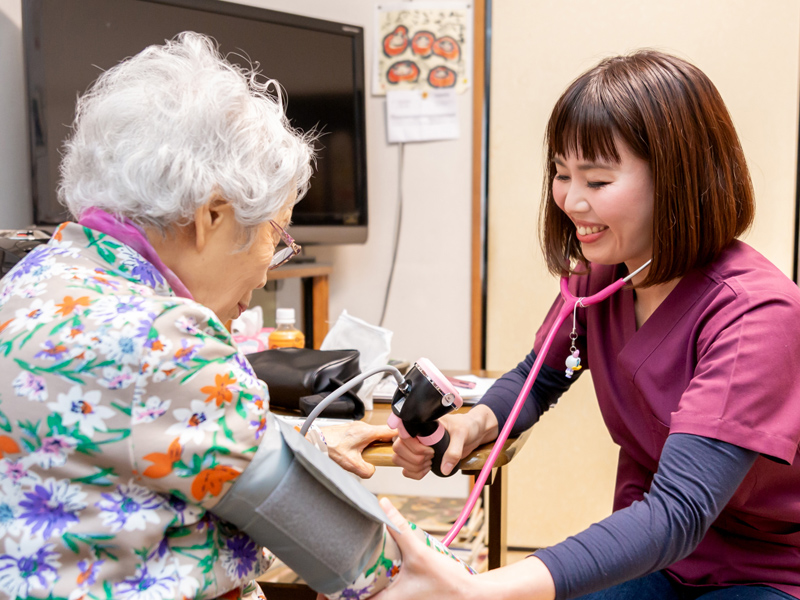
[[570, 307]]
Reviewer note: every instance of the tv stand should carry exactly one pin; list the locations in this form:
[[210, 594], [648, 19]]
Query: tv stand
[[302, 260]]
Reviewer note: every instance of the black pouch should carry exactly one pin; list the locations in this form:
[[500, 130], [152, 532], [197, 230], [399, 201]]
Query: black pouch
[[300, 378]]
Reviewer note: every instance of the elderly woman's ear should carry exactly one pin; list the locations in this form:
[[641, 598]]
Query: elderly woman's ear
[[215, 217]]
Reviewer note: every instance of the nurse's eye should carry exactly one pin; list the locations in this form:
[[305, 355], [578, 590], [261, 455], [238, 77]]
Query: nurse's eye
[[596, 184]]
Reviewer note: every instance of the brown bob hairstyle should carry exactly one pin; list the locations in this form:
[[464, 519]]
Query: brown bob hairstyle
[[669, 114]]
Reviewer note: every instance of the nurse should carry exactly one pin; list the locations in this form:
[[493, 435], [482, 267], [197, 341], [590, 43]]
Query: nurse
[[693, 365]]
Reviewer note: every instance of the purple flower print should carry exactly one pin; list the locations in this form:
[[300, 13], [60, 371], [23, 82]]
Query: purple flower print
[[54, 451], [52, 507], [88, 575], [33, 260], [101, 277], [144, 327], [243, 364], [121, 310], [240, 556], [147, 273], [140, 269], [27, 566], [176, 503], [131, 507], [152, 581], [16, 473], [260, 427], [207, 522], [352, 593], [33, 387], [150, 410], [186, 352], [52, 351], [129, 304], [161, 550], [72, 332]]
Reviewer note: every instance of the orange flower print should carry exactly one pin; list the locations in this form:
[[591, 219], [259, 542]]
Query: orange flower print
[[101, 277], [163, 463], [4, 325], [57, 234], [69, 304], [210, 481], [233, 594], [185, 352], [220, 391], [8, 445], [55, 351]]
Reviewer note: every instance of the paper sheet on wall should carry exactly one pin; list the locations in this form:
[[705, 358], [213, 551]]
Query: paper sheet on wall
[[421, 116], [422, 46]]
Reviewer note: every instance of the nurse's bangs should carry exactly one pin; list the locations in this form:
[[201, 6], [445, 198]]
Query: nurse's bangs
[[582, 125]]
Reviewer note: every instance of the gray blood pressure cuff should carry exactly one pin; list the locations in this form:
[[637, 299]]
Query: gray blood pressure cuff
[[306, 509]]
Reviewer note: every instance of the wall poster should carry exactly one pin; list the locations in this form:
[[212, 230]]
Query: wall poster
[[422, 46]]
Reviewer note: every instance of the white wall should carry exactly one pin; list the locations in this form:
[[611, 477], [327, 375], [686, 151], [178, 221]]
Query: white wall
[[429, 306], [15, 205]]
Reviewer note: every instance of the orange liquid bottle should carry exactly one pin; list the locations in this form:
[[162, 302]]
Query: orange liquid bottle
[[285, 334]]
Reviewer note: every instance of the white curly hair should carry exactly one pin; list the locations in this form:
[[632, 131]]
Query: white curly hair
[[159, 134]]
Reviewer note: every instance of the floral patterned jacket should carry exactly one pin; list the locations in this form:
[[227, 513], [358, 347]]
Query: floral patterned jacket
[[125, 413]]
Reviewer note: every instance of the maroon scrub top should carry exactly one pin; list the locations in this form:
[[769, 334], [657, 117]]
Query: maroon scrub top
[[718, 358]]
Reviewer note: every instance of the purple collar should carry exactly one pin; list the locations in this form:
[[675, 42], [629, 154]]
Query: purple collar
[[130, 234]]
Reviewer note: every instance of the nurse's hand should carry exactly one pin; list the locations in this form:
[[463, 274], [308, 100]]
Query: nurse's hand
[[347, 442], [467, 432], [425, 573]]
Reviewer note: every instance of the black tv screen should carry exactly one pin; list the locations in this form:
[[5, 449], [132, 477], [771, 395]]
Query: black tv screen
[[320, 64]]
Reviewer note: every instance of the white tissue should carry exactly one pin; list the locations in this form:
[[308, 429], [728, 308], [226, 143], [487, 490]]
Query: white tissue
[[372, 342], [249, 323]]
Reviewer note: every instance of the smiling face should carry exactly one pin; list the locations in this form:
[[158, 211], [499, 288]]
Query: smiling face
[[611, 205]]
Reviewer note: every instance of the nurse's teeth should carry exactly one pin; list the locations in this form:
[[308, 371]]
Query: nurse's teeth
[[588, 230]]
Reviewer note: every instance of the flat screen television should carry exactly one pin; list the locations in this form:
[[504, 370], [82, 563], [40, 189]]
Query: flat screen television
[[320, 64]]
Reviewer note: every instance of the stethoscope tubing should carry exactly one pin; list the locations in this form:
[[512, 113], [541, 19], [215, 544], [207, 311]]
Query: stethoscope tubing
[[571, 302]]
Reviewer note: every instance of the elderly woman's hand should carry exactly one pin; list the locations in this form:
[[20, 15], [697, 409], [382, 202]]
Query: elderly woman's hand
[[347, 442]]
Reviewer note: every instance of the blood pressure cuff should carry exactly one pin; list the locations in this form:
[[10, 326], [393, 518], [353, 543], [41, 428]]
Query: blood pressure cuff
[[312, 514]]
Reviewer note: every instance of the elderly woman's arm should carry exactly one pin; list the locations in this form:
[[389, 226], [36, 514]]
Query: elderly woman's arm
[[205, 411]]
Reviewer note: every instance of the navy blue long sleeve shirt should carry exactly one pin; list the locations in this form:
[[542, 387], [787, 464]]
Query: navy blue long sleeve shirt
[[696, 478]]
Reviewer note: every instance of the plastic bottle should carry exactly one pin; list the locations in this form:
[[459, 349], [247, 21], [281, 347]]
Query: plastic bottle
[[285, 334]]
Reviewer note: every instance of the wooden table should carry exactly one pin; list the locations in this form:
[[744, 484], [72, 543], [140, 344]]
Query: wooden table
[[380, 455], [315, 296]]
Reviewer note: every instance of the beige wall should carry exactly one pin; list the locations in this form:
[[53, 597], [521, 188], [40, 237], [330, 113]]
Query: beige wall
[[565, 473]]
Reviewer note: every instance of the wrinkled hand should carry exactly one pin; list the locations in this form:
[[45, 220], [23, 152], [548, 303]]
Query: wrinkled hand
[[467, 432], [347, 442]]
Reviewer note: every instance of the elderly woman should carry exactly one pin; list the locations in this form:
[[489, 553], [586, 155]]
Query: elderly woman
[[126, 411]]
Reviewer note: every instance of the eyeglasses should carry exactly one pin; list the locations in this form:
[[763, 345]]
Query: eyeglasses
[[283, 255]]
